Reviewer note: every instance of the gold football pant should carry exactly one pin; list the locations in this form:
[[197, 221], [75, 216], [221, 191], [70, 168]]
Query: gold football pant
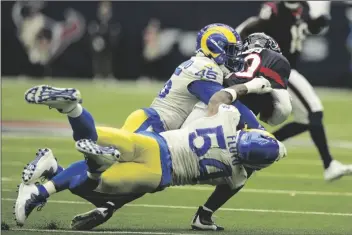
[[139, 168]]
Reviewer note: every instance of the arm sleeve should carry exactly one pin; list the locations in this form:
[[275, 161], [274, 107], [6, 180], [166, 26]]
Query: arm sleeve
[[204, 90], [247, 116]]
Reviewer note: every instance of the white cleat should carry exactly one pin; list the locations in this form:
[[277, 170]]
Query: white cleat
[[62, 99], [43, 166], [336, 170], [28, 199], [98, 158]]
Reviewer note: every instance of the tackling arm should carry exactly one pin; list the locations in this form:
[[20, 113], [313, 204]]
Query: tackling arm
[[204, 90], [258, 85]]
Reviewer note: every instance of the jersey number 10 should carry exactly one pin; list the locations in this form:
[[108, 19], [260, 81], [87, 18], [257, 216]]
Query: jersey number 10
[[210, 137]]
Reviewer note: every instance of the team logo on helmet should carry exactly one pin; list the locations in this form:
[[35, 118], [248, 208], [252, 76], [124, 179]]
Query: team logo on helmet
[[222, 43]]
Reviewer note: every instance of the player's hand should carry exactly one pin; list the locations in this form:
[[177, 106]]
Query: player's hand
[[258, 85]]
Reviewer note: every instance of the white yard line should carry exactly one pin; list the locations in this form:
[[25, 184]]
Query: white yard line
[[252, 190], [222, 209], [269, 191], [100, 232]]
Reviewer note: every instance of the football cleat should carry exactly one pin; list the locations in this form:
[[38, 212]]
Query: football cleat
[[43, 166], [202, 221], [336, 170], [93, 218], [28, 198], [62, 99], [98, 158]]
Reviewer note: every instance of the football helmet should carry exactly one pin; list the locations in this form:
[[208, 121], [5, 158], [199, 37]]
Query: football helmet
[[257, 149], [221, 43], [261, 40]]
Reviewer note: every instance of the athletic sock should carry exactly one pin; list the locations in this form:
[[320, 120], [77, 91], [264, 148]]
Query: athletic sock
[[317, 133], [289, 130], [82, 124]]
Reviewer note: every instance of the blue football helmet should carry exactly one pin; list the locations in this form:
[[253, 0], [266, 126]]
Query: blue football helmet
[[223, 44], [257, 149]]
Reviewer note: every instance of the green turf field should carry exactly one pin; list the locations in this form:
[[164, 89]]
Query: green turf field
[[287, 198]]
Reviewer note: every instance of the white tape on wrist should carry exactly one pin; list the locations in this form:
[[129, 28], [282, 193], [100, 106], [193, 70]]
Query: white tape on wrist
[[232, 92]]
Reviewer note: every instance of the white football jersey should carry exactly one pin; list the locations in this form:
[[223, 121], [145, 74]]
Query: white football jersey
[[174, 102], [203, 152]]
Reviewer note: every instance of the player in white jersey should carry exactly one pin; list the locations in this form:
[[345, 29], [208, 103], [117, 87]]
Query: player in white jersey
[[210, 150], [217, 50], [196, 79]]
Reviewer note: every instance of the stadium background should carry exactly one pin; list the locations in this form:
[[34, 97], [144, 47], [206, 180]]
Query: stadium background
[[287, 198]]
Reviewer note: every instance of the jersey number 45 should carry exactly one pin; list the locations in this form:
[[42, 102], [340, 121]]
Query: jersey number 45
[[211, 138]]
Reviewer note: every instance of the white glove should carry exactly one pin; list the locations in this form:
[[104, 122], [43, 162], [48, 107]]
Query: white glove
[[282, 151], [258, 85]]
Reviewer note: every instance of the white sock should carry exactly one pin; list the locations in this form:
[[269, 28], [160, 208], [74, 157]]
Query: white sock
[[50, 188], [75, 112]]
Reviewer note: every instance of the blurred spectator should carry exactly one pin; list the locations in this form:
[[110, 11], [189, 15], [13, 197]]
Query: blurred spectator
[[104, 37], [44, 38]]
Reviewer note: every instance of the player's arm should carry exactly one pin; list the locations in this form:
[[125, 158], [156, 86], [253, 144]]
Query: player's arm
[[204, 90], [258, 23], [228, 95]]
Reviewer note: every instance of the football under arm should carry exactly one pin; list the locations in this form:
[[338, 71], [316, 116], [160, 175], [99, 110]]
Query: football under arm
[[282, 107]]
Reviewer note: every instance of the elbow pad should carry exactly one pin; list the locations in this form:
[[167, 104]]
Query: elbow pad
[[282, 107]]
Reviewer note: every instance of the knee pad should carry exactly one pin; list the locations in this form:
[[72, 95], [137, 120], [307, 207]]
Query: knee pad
[[316, 119]]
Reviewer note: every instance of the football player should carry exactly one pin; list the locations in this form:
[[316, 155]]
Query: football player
[[284, 22], [148, 162], [289, 22], [263, 58], [218, 46]]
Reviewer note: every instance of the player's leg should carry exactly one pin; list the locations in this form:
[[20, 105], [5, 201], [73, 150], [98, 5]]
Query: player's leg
[[146, 119], [308, 115], [124, 177], [136, 121], [66, 101], [130, 180], [202, 219]]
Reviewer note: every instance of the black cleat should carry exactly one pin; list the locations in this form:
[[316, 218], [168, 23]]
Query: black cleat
[[202, 221]]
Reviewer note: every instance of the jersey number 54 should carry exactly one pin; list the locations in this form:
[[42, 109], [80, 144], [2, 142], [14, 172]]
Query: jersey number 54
[[211, 138]]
